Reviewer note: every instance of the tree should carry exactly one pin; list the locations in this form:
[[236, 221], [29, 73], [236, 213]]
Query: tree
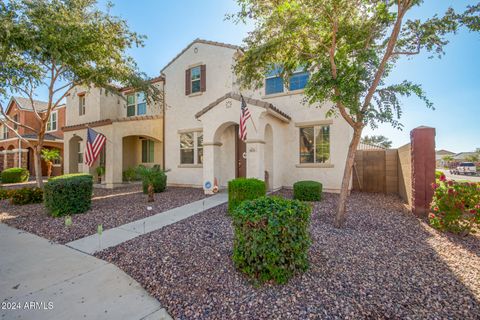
[[148, 175], [55, 45], [349, 48], [50, 155], [472, 158], [377, 141]]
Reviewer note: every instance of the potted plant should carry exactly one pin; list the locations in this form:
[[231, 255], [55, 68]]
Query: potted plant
[[100, 172], [50, 155]]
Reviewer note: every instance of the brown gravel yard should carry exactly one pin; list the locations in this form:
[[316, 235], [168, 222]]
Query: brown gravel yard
[[111, 208], [385, 264]]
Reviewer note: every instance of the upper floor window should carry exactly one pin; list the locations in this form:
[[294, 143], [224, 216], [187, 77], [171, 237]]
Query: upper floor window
[[195, 79], [148, 151], [315, 144], [52, 121], [274, 83], [15, 119], [191, 148], [299, 80], [81, 105], [136, 104], [5, 132]]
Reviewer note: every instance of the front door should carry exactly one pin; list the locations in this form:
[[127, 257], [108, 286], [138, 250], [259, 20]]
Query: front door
[[240, 156]]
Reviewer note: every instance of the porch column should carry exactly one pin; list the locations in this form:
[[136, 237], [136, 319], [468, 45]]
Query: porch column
[[255, 159], [211, 167], [114, 161]]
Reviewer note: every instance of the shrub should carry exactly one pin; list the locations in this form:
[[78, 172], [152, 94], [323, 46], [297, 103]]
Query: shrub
[[5, 194], [438, 174], [155, 176], [130, 175], [455, 206], [26, 196], [307, 191], [242, 189], [68, 194], [14, 175], [271, 238]]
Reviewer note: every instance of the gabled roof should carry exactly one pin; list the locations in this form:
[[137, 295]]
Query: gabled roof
[[198, 40], [25, 104], [444, 152], [251, 101]]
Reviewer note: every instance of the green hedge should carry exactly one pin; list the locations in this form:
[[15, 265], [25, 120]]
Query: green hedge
[[14, 175], [271, 238], [307, 190], [242, 189], [68, 194], [26, 196], [159, 179]]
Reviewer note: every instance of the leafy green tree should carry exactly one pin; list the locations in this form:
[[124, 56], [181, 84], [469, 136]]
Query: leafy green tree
[[472, 158], [54, 45], [349, 48], [378, 140], [50, 155]]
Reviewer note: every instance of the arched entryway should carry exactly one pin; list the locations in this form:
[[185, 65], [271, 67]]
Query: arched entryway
[[230, 156], [75, 154], [140, 150], [10, 163]]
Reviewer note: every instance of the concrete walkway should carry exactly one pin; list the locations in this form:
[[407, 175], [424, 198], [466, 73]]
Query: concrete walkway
[[50, 281], [115, 236]]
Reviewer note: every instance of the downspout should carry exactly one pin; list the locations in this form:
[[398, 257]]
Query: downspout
[[163, 125]]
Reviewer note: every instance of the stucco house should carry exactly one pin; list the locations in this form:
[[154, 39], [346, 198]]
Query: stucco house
[[14, 152], [287, 140]]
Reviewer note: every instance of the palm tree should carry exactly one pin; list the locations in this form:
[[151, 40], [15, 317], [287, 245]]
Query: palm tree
[[148, 176], [50, 155]]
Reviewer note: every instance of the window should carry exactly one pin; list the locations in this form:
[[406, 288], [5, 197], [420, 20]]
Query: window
[[273, 82], [191, 148], [52, 122], [195, 79], [148, 151], [5, 132], [57, 162], [298, 80], [81, 105], [315, 144], [136, 104], [15, 119], [80, 153]]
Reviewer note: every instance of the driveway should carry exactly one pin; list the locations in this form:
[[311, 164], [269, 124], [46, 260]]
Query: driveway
[[41, 280], [459, 177]]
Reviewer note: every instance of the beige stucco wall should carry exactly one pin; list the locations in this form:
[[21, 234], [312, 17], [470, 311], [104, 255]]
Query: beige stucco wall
[[277, 152]]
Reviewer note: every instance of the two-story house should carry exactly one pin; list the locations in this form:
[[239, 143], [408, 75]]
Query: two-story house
[[287, 140], [15, 152], [132, 126]]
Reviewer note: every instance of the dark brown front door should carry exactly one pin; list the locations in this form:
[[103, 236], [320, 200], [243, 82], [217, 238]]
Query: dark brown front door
[[240, 156]]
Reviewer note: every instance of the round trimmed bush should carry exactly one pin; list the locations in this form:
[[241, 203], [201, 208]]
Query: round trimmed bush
[[307, 190], [159, 179], [242, 189], [15, 175], [26, 195], [68, 194], [271, 238]]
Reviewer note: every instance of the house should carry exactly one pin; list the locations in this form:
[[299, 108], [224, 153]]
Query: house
[[464, 156], [132, 126], [440, 154], [287, 140], [14, 152]]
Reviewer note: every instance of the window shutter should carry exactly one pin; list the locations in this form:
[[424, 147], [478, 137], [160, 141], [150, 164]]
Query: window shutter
[[203, 78], [188, 82]]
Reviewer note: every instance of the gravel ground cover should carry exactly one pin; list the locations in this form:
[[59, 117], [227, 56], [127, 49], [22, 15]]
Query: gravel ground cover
[[385, 264], [111, 208]]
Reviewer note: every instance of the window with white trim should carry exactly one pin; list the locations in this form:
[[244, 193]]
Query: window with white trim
[[136, 104], [15, 119], [5, 132], [191, 147], [52, 121], [80, 153], [81, 105], [195, 73], [315, 144], [273, 82]]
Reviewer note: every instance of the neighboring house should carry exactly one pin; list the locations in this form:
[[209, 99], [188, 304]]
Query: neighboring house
[[440, 154], [13, 151], [133, 128], [287, 140], [462, 156]]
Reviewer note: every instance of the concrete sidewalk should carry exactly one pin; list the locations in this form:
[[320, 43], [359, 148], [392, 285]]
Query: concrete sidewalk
[[49, 281], [115, 236]]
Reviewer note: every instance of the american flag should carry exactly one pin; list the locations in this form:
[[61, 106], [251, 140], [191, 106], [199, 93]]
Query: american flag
[[244, 116], [95, 142]]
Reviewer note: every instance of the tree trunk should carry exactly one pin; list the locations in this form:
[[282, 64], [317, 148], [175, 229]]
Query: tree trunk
[[49, 168], [38, 165], [347, 174], [150, 193]]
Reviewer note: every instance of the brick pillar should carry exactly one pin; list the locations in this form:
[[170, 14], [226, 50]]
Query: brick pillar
[[423, 168]]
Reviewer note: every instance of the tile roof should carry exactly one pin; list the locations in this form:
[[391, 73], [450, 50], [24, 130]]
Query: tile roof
[[251, 101]]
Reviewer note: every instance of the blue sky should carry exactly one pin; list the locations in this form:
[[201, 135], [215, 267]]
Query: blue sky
[[452, 83]]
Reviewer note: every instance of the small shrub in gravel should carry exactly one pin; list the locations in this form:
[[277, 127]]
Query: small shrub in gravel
[[69, 194], [242, 189], [5, 194], [307, 191], [15, 175], [130, 175], [455, 206], [26, 196], [155, 176], [271, 238]]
